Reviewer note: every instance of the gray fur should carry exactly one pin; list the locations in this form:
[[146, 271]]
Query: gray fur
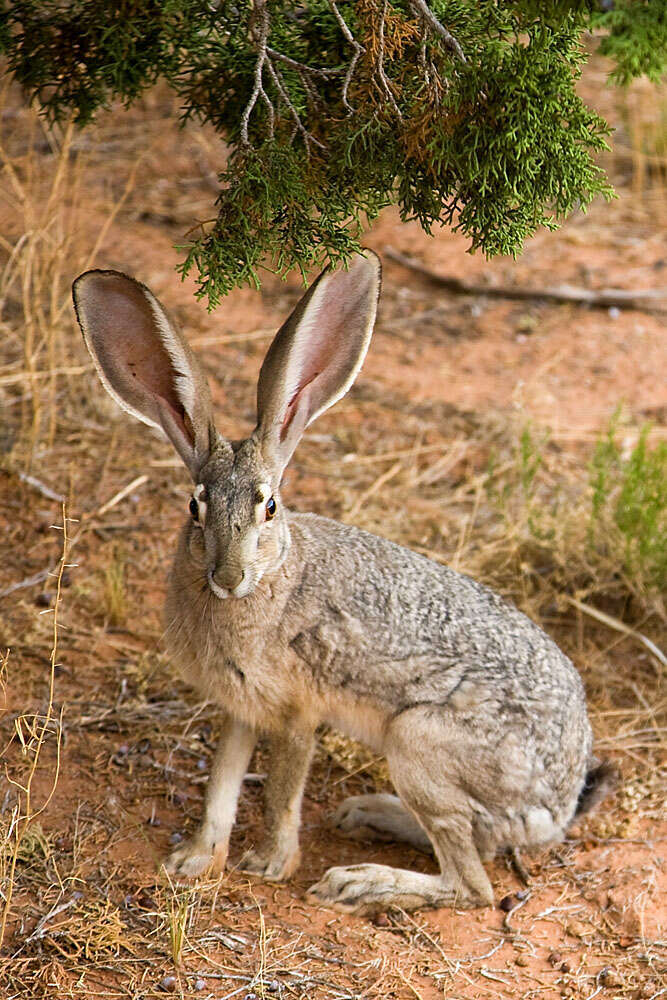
[[480, 715]]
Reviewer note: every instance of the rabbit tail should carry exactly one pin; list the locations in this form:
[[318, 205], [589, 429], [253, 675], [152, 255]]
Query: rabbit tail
[[601, 780]]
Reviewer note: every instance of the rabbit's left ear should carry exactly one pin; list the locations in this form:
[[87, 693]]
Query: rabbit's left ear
[[143, 362], [316, 355]]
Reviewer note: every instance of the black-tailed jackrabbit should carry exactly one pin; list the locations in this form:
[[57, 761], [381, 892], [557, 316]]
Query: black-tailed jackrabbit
[[290, 620]]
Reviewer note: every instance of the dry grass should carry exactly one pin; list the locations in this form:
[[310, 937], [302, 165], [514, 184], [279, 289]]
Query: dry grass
[[97, 728]]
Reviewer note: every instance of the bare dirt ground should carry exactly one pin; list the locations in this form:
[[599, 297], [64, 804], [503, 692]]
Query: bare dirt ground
[[103, 777]]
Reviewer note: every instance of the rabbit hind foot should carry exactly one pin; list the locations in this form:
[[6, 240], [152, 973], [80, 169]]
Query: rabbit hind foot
[[379, 817], [369, 889]]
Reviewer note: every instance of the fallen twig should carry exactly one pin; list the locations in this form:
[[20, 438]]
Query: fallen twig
[[29, 581], [618, 626], [606, 298], [135, 484], [41, 487]]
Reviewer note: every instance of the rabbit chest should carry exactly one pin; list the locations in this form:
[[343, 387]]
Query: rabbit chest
[[232, 651]]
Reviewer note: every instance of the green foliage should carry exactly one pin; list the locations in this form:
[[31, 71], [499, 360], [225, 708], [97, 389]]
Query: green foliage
[[465, 113], [630, 495], [636, 39]]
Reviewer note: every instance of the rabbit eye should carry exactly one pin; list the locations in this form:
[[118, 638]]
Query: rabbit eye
[[194, 510], [270, 508]]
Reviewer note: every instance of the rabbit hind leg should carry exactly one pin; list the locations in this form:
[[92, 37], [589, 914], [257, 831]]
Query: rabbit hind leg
[[418, 758], [370, 888], [379, 817]]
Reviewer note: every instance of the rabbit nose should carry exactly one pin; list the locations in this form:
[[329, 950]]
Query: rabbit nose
[[227, 577]]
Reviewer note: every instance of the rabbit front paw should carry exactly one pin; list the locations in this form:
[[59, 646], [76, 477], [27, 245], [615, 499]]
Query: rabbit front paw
[[196, 856], [276, 866]]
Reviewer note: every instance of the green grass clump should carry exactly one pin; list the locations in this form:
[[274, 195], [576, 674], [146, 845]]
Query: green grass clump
[[630, 497]]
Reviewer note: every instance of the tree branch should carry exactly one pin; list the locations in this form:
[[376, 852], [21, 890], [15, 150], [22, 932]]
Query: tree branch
[[648, 300], [262, 15], [386, 85], [422, 8], [359, 50]]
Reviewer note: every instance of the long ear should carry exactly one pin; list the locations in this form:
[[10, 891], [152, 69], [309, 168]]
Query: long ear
[[316, 355], [143, 362]]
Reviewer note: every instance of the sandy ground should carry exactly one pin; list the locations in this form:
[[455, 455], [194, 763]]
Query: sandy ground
[[134, 747]]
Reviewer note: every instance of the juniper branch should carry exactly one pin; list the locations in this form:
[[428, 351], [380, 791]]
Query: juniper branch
[[258, 87], [421, 7], [359, 50]]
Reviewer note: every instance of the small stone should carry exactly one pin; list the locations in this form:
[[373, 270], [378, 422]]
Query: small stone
[[609, 977], [44, 599], [565, 967], [175, 837], [521, 960], [154, 820], [507, 903], [250, 996], [555, 958], [273, 986], [202, 764], [614, 312], [382, 920], [522, 894], [168, 984], [200, 985]]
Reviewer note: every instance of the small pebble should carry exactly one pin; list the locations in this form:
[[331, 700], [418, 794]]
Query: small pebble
[[609, 977], [200, 985], [168, 984], [77, 894], [522, 894], [555, 958], [506, 903], [565, 967], [250, 996], [273, 986], [154, 821], [175, 837], [614, 312], [44, 599], [521, 960], [202, 764], [382, 920]]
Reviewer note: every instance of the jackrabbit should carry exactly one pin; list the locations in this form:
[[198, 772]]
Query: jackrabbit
[[290, 620]]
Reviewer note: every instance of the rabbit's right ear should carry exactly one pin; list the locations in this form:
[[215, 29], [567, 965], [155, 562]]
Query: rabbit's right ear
[[316, 355], [143, 362]]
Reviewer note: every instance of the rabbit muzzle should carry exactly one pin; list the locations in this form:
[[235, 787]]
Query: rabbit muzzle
[[229, 581]]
